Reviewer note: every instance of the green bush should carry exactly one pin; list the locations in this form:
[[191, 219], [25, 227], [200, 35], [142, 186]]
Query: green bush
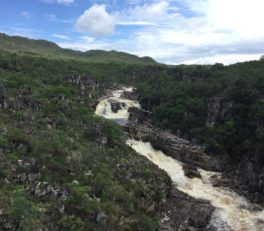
[[145, 223], [25, 213], [81, 199], [3, 142], [71, 223]]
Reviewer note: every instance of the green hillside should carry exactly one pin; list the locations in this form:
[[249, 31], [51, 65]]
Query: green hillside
[[52, 50], [63, 168], [50, 140]]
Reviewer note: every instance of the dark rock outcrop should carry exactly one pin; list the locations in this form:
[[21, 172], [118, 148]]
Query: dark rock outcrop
[[138, 115], [116, 106], [250, 177], [247, 172], [217, 108], [174, 146], [134, 95], [182, 212], [4, 103], [19, 102], [191, 171], [179, 211], [18, 146], [86, 87], [27, 178], [47, 191], [147, 103], [6, 223]]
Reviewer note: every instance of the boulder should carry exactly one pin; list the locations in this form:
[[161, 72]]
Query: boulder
[[20, 146], [101, 217], [182, 212], [191, 171], [116, 106], [48, 191], [4, 102], [6, 223], [138, 115]]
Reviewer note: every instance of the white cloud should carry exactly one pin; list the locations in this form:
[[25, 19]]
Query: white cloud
[[26, 14], [216, 31], [20, 30], [134, 2], [148, 14], [97, 21], [225, 59], [244, 17], [88, 39], [85, 43], [53, 18], [63, 2], [135, 23], [149, 11], [202, 31], [61, 36]]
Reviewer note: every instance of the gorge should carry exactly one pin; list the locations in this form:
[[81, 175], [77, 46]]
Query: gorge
[[231, 211], [65, 165]]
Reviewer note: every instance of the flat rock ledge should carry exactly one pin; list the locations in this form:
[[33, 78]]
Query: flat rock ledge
[[173, 146]]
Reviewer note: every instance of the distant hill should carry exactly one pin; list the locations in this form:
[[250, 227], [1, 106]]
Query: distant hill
[[52, 50]]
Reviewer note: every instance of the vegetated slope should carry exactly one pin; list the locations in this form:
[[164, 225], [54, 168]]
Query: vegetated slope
[[221, 107], [49, 135], [52, 50], [62, 167]]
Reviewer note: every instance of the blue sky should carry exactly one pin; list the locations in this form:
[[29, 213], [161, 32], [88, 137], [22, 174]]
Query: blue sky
[[171, 31]]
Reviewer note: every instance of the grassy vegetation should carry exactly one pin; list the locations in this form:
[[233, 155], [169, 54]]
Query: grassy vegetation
[[51, 50], [62, 167]]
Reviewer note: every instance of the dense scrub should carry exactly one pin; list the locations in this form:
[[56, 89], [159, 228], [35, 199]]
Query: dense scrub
[[220, 107], [62, 167]]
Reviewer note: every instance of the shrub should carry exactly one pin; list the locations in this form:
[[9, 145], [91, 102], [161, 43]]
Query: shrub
[[71, 223], [25, 213]]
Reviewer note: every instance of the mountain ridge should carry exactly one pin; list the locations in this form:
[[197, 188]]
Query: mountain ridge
[[52, 50]]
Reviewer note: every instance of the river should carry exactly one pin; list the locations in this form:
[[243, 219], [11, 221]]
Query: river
[[232, 212]]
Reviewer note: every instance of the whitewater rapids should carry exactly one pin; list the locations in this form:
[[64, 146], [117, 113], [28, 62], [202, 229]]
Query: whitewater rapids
[[232, 211]]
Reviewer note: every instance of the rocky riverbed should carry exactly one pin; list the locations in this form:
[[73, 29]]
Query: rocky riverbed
[[178, 211], [245, 176], [197, 202]]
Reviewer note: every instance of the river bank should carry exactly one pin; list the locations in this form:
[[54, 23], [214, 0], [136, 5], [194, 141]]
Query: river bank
[[141, 127], [240, 173], [191, 172]]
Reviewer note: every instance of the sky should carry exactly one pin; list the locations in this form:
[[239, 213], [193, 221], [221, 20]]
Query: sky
[[170, 31]]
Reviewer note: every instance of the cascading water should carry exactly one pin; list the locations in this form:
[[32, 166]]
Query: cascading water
[[230, 207], [121, 116], [232, 211]]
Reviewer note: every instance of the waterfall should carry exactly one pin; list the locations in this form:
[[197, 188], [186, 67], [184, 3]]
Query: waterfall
[[121, 116]]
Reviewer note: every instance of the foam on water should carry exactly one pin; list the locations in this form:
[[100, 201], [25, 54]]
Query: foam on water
[[232, 211], [121, 116]]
